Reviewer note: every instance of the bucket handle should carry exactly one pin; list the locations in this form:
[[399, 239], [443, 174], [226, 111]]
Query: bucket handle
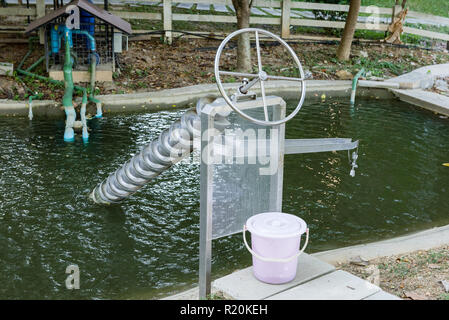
[[275, 259]]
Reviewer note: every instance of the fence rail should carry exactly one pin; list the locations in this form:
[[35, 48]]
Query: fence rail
[[284, 20]]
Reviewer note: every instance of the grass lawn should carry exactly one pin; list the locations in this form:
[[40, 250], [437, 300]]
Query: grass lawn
[[435, 7]]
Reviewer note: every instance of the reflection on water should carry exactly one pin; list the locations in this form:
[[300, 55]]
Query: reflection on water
[[147, 247]]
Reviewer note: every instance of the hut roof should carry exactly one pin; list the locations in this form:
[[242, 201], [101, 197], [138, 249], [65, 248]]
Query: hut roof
[[85, 5]]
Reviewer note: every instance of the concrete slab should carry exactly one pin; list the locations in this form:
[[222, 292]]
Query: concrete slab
[[338, 285], [421, 78], [242, 285], [378, 84], [423, 240], [6, 68], [82, 76], [425, 99], [382, 295]]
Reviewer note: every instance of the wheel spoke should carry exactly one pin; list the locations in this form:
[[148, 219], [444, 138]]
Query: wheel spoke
[[259, 60], [284, 78], [238, 74], [265, 108], [260, 75]]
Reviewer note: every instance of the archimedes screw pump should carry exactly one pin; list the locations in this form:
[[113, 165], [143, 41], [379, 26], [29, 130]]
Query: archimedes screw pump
[[230, 192], [175, 142]]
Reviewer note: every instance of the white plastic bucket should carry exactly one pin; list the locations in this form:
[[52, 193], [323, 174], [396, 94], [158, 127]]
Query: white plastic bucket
[[275, 241]]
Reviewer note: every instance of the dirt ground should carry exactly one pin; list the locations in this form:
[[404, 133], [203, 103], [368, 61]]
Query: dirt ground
[[413, 276], [151, 65]]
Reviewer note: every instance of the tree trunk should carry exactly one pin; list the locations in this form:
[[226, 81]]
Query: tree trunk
[[344, 49], [242, 10]]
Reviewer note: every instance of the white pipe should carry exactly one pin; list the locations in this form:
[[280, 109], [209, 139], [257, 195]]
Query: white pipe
[[69, 134], [99, 111], [84, 122], [30, 110]]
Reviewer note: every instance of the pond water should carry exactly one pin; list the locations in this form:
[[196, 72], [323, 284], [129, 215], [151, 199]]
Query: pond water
[[147, 247]]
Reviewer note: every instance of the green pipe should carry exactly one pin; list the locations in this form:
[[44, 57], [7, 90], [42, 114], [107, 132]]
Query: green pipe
[[37, 76], [24, 59], [28, 73], [68, 77], [33, 75], [68, 94], [30, 49], [34, 65], [85, 133], [92, 70], [354, 84], [93, 64], [93, 99], [67, 99]]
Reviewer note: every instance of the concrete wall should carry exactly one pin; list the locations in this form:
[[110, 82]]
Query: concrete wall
[[188, 96]]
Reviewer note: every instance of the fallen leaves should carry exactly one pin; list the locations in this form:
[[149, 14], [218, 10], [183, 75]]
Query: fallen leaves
[[414, 296], [151, 65], [420, 275]]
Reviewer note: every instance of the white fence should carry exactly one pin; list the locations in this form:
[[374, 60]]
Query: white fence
[[285, 19]]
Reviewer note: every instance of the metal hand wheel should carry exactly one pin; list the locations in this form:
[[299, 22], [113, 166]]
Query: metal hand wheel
[[261, 76]]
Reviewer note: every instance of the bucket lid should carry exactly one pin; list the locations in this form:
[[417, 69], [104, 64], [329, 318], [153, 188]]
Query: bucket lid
[[276, 225]]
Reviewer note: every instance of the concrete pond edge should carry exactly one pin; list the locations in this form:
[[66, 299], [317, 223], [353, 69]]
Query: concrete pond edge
[[422, 240], [410, 87], [187, 96]]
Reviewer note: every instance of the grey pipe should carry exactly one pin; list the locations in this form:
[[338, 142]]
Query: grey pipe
[[172, 145]]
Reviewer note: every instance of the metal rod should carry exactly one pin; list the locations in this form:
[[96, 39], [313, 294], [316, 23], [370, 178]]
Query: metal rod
[[262, 86], [284, 78], [238, 74], [206, 190], [244, 89]]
